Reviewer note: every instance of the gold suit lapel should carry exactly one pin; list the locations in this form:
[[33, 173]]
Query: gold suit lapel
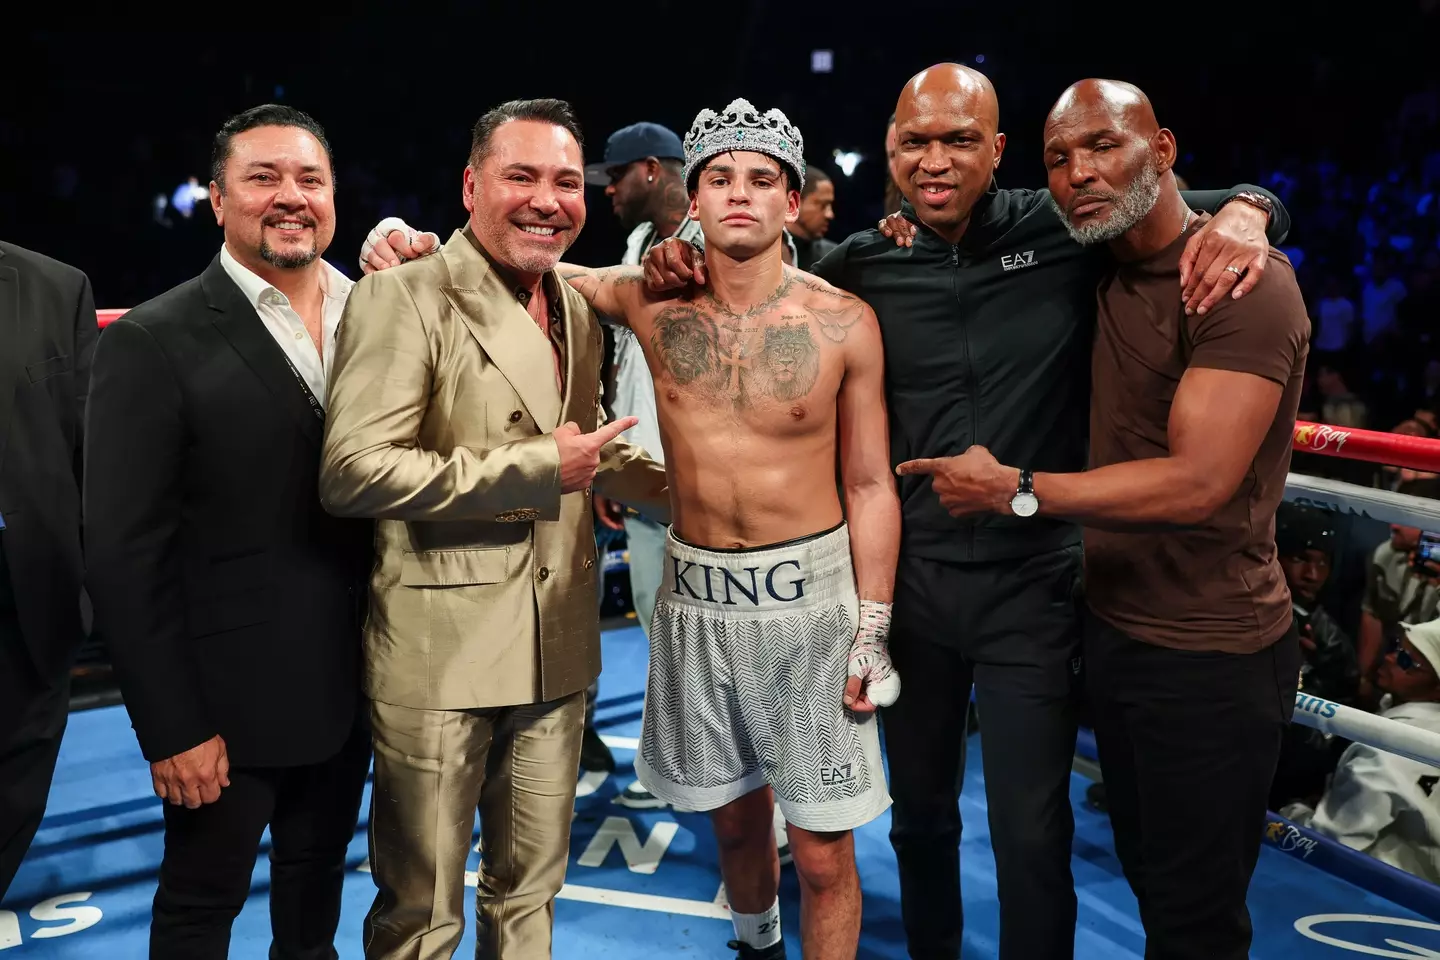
[[504, 330]]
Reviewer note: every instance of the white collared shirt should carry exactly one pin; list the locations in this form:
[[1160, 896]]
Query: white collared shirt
[[285, 325]]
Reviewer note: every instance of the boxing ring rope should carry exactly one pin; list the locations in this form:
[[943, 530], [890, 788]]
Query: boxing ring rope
[[1357, 726], [1391, 449]]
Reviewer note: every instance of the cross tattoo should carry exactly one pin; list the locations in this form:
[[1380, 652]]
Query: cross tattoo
[[735, 361]]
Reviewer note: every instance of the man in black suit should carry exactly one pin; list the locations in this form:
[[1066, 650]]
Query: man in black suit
[[47, 337], [231, 602]]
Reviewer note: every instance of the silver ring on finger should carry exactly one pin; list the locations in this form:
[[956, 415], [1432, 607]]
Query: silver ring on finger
[[1236, 270]]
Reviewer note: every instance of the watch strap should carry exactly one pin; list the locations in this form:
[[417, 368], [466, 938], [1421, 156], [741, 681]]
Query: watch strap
[[1254, 199], [1027, 482]]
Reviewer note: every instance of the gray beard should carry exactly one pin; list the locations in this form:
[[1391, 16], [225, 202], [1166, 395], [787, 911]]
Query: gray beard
[[287, 261], [1128, 208]]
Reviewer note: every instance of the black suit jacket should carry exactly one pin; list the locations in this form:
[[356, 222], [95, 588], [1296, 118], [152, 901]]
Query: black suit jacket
[[230, 601], [47, 337]]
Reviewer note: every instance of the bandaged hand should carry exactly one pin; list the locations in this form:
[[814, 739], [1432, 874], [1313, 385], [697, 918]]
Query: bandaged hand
[[873, 680], [382, 249]]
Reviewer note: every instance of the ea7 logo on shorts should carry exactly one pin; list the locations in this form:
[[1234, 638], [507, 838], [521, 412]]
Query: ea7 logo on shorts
[[832, 776], [1017, 261]]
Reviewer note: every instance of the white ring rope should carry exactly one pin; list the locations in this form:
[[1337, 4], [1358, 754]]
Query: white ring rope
[[1422, 746], [1392, 736], [1348, 498]]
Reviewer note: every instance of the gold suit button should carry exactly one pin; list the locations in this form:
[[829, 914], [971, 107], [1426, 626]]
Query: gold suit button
[[589, 563], [544, 574], [515, 416]]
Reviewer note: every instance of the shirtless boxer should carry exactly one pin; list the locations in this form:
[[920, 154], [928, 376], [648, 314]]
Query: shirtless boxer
[[766, 660]]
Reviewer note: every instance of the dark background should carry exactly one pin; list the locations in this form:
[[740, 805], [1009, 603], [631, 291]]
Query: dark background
[[103, 121]]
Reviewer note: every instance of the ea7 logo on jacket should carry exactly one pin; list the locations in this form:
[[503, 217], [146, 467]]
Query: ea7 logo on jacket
[[719, 585], [1017, 261]]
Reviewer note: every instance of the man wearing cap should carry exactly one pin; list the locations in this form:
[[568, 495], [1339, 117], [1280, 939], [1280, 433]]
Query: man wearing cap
[[1379, 803]]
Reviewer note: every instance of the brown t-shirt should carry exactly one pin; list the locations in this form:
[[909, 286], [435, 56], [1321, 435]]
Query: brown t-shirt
[[1217, 586]]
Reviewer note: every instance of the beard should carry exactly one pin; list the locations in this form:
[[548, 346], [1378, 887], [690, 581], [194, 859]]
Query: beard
[[510, 247], [291, 260], [1128, 207], [288, 259]]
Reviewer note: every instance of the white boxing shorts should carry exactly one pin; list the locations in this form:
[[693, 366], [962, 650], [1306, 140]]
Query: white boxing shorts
[[749, 657]]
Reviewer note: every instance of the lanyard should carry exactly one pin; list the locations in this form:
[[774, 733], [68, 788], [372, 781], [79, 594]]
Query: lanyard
[[315, 407]]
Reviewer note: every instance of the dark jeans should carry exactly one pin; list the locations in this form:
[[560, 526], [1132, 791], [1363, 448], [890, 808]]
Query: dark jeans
[[33, 714], [1011, 628], [210, 854], [1188, 743]]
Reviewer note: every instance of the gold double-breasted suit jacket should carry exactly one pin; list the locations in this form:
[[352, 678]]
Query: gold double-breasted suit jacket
[[441, 403]]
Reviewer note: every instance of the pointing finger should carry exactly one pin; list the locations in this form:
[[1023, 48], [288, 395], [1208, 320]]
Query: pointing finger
[[912, 467], [612, 430]]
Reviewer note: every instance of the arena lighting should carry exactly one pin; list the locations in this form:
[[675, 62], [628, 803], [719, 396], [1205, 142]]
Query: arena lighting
[[847, 161], [822, 61]]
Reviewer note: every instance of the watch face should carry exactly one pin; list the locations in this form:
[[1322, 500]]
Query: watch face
[[1024, 505]]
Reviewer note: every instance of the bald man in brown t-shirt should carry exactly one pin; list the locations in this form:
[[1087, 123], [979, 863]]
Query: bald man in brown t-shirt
[[1191, 654]]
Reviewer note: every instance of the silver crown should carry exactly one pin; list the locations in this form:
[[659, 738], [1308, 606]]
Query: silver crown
[[741, 127]]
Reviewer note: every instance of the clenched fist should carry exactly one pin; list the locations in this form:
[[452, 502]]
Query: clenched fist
[[580, 452]]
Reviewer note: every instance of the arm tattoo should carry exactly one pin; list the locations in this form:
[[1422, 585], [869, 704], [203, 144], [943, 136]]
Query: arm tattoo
[[595, 284]]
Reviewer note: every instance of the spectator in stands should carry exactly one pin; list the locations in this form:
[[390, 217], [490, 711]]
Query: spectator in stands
[[1334, 319], [1398, 591], [1339, 406], [1380, 803], [1305, 541], [1392, 477], [1380, 298]]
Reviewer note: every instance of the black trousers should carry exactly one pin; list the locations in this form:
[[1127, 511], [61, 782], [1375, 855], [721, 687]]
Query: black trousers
[[1188, 743], [33, 713], [1012, 629], [210, 855]]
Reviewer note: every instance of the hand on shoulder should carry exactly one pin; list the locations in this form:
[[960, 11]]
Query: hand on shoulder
[[394, 242]]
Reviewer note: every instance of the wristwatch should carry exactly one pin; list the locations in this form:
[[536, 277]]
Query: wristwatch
[[1025, 503], [1255, 200]]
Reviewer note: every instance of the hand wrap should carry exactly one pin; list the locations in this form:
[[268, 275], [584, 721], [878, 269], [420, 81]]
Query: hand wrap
[[870, 656], [383, 229]]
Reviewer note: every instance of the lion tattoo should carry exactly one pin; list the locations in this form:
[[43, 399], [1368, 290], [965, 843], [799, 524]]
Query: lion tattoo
[[684, 339], [790, 361]]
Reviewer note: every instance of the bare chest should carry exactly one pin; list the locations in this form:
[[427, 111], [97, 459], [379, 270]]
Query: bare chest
[[773, 370]]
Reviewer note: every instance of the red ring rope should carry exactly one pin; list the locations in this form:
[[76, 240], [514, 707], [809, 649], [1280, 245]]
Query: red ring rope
[[1391, 449]]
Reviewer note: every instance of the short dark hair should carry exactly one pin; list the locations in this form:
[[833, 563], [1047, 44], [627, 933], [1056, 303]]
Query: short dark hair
[[546, 110], [265, 115], [814, 176]]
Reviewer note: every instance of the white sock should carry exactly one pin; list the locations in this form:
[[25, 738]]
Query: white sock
[[759, 930]]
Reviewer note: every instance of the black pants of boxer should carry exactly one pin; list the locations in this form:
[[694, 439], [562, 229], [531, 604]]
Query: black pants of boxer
[[210, 855], [33, 714], [1011, 628], [1188, 743]]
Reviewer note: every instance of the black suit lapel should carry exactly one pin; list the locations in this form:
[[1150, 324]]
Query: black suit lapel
[[238, 323], [12, 348]]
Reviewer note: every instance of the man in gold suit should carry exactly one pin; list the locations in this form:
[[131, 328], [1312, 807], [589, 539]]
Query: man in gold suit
[[464, 416]]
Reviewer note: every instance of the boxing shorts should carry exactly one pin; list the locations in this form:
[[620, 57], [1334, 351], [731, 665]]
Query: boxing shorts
[[748, 664]]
